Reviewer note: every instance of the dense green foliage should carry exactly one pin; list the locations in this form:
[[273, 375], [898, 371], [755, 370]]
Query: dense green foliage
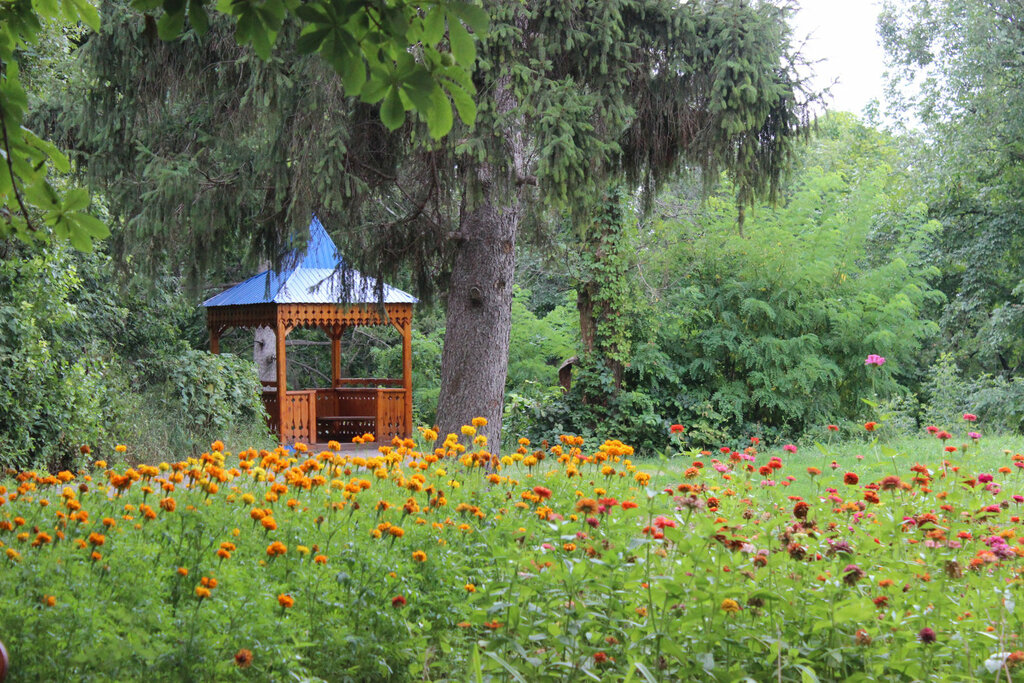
[[960, 67], [83, 360]]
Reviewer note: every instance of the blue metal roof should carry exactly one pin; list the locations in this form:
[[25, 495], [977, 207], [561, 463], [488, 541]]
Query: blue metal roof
[[315, 275]]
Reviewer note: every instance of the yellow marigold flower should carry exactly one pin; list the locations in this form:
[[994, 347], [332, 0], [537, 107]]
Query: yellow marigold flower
[[642, 478], [569, 547], [419, 556], [13, 555], [730, 606], [120, 448], [302, 550], [468, 431], [479, 421], [429, 435]]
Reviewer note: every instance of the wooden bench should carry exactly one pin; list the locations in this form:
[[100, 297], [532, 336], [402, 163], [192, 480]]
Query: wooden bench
[[344, 427]]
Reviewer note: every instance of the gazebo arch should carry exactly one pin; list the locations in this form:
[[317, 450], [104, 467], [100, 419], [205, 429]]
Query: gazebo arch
[[314, 289]]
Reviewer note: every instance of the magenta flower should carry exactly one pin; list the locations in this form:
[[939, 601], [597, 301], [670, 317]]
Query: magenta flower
[[974, 435], [789, 448], [874, 359]]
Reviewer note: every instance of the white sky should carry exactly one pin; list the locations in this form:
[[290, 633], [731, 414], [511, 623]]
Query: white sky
[[843, 35]]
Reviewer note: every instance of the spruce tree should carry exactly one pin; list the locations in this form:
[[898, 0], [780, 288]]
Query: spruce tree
[[206, 152]]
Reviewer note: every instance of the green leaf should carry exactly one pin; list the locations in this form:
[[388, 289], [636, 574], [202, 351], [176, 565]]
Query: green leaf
[[311, 40], [392, 113], [92, 226], [76, 199], [461, 42], [87, 13], [197, 16], [474, 16], [464, 104], [169, 26], [433, 26], [505, 665]]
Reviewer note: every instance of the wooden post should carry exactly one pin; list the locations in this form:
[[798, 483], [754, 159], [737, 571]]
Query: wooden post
[[282, 377], [214, 340], [407, 374], [335, 358]]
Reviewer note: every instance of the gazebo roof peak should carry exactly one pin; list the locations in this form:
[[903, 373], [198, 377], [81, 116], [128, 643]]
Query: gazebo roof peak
[[315, 275]]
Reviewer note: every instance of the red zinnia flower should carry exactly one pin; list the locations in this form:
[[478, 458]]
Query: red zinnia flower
[[851, 478], [398, 601], [676, 429], [870, 426], [833, 428], [970, 417]]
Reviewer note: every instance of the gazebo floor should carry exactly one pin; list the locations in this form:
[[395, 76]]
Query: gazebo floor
[[346, 448]]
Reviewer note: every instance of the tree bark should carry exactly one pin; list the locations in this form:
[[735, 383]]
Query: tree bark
[[474, 362], [264, 354]]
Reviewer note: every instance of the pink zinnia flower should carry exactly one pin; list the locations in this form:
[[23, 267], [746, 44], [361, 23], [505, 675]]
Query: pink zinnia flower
[[874, 359], [970, 417], [789, 448]]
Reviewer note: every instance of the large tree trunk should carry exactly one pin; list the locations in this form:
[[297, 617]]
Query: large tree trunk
[[474, 362]]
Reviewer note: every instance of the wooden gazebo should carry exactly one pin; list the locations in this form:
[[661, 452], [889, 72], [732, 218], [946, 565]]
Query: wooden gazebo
[[314, 289]]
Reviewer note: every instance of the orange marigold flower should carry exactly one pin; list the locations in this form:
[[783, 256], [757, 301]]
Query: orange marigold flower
[[183, 571], [243, 658], [320, 559], [97, 539], [285, 600], [202, 592], [419, 556]]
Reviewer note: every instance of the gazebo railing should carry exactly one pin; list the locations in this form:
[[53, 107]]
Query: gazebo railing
[[341, 413]]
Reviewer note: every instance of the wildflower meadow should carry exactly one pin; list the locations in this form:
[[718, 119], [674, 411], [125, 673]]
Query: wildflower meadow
[[563, 561]]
